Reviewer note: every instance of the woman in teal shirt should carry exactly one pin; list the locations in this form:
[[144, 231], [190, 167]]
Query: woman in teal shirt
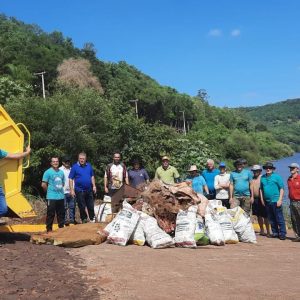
[[198, 181]]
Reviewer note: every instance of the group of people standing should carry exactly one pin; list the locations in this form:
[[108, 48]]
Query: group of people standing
[[261, 195]]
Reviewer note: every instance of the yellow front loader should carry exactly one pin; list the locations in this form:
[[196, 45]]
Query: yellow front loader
[[11, 171]]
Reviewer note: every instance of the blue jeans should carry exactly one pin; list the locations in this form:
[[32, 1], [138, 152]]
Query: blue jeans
[[85, 200], [3, 206], [276, 219], [69, 208]]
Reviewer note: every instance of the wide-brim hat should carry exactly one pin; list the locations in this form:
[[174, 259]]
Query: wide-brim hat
[[193, 168], [269, 165], [256, 168]]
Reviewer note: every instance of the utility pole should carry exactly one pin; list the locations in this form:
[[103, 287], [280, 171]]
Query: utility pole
[[136, 107], [43, 82], [183, 117]]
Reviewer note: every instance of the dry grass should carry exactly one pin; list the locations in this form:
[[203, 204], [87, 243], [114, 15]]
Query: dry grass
[[77, 72]]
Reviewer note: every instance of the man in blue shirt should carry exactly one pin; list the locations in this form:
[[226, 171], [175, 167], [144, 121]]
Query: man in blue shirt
[[271, 191], [241, 189], [53, 184], [15, 156], [209, 175], [198, 182], [82, 185], [138, 176]]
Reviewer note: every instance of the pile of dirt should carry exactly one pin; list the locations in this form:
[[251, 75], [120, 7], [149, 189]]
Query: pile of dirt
[[73, 236], [165, 201]]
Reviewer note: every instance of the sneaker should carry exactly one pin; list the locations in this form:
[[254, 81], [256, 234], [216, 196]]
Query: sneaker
[[282, 237], [274, 236], [297, 239]]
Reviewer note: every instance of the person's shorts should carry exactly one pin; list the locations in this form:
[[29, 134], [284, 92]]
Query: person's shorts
[[258, 209]]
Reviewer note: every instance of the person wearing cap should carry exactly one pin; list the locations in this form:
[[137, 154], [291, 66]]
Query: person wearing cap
[[221, 184], [209, 175], [69, 200], [166, 173], [271, 193], [138, 176], [198, 182], [240, 189], [257, 208], [294, 195]]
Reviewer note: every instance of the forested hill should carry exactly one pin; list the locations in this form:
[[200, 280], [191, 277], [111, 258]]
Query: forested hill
[[89, 107], [281, 118]]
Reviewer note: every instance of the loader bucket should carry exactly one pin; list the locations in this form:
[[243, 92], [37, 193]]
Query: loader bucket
[[11, 171]]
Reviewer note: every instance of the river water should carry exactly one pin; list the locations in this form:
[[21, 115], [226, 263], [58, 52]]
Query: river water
[[283, 170]]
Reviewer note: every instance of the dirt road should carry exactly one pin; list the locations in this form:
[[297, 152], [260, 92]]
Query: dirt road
[[268, 270]]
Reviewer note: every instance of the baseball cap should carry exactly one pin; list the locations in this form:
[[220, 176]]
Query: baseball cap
[[222, 165], [66, 158], [165, 158], [294, 165]]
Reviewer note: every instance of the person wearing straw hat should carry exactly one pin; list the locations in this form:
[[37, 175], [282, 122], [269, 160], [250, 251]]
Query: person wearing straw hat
[[166, 173], [198, 182], [271, 193], [294, 195], [257, 208]]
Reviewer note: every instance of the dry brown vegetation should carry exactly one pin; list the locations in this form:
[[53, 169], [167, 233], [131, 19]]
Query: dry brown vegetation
[[77, 72]]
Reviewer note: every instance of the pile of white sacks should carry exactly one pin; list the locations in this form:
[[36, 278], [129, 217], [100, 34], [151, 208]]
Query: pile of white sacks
[[220, 226]]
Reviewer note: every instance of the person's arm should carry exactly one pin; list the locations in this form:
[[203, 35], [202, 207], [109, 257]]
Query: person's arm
[[94, 184], [262, 197], [71, 184], [19, 155], [176, 176], [216, 183], [45, 181], [146, 176], [44, 186], [156, 175], [126, 178], [231, 192], [105, 183], [281, 193], [206, 189], [251, 191]]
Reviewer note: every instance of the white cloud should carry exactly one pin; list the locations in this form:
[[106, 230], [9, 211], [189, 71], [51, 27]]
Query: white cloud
[[235, 32], [215, 32]]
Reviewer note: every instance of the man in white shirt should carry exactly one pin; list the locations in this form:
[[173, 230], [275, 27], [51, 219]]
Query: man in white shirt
[[222, 182], [69, 200], [115, 175]]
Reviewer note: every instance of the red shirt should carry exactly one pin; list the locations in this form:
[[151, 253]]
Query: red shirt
[[294, 188]]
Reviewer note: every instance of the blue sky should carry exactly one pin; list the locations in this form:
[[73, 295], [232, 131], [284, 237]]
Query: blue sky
[[243, 52]]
